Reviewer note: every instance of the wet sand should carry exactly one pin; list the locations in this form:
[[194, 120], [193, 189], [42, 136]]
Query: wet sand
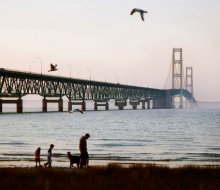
[[64, 163]]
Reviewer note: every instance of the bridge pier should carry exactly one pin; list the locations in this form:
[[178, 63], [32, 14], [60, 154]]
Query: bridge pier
[[18, 102], [83, 105], [44, 105], [19, 105], [0, 105], [120, 104], [143, 103], [154, 104], [148, 103], [101, 104], [134, 104], [168, 99], [45, 101]]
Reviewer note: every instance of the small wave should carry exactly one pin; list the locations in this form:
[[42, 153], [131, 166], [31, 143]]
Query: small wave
[[205, 155], [13, 143], [113, 144], [10, 154], [214, 148], [124, 140]]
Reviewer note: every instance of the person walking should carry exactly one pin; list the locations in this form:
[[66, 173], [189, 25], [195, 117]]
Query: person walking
[[37, 156], [49, 157], [83, 150]]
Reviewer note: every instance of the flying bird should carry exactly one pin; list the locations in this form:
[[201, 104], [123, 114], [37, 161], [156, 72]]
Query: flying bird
[[76, 110], [140, 11], [53, 67]]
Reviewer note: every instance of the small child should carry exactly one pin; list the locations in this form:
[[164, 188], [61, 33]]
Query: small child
[[37, 156], [49, 155]]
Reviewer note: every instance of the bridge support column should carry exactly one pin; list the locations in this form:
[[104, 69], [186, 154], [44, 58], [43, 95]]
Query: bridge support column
[[18, 102], [143, 103], [168, 99], [148, 104], [101, 104], [0, 105], [120, 104], [83, 105], [69, 106], [45, 101], [60, 105], [19, 105], [44, 105], [154, 104], [134, 104]]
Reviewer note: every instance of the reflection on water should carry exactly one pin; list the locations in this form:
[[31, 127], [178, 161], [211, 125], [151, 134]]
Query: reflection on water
[[140, 136]]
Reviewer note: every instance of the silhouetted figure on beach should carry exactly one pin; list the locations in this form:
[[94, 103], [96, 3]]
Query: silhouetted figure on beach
[[37, 157], [83, 150], [49, 157]]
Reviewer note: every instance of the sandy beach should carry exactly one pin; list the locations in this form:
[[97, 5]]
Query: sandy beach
[[111, 176]]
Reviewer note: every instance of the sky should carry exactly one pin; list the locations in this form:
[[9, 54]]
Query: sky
[[100, 38]]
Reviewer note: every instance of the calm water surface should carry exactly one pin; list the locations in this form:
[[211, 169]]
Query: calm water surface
[[166, 136]]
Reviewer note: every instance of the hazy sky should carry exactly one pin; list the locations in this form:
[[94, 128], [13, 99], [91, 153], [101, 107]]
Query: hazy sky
[[102, 37]]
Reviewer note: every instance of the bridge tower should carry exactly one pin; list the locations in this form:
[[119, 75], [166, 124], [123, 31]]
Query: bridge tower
[[177, 74], [189, 83]]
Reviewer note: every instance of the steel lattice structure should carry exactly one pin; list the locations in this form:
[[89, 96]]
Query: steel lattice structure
[[18, 84]]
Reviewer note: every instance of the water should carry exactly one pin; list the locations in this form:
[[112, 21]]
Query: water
[[162, 136]]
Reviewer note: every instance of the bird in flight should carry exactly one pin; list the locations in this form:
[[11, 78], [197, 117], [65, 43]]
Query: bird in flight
[[140, 11], [53, 67], [76, 110]]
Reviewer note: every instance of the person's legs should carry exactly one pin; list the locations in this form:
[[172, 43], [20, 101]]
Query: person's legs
[[37, 160], [48, 162], [87, 159], [84, 157], [45, 164], [81, 163], [39, 163], [87, 162]]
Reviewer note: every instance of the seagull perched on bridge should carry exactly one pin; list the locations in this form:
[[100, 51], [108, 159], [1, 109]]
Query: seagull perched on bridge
[[53, 67], [140, 11]]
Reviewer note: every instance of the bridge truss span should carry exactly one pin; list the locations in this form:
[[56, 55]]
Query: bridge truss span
[[18, 84]]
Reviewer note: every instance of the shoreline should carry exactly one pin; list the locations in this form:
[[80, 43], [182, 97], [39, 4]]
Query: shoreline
[[105, 162]]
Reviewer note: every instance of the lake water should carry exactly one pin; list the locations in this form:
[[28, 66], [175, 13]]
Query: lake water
[[161, 136]]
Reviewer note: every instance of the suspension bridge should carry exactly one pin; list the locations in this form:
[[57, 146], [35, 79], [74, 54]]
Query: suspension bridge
[[16, 84]]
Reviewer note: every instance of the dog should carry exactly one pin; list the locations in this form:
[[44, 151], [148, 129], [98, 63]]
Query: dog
[[75, 160]]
